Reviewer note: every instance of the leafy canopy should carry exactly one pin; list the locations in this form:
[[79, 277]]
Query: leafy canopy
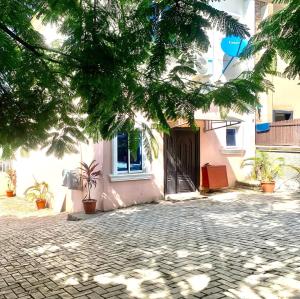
[[279, 35], [34, 96], [120, 58]]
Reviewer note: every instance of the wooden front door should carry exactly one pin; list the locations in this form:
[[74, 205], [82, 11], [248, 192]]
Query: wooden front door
[[181, 155]]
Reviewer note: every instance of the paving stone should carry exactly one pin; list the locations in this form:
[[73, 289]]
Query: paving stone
[[11, 296], [37, 295], [213, 290], [214, 296], [95, 296], [212, 248]]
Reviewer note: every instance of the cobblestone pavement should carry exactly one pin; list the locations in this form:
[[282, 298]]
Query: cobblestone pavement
[[20, 207], [232, 245]]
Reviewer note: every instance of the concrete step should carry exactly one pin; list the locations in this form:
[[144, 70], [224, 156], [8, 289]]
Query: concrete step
[[178, 197]]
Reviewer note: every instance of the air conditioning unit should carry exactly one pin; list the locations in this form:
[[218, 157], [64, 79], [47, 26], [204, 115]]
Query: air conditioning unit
[[203, 65]]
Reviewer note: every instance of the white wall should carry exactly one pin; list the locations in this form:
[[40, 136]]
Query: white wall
[[37, 165], [244, 11]]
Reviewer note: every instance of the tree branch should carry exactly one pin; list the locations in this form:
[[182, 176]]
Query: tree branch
[[55, 51], [26, 45]]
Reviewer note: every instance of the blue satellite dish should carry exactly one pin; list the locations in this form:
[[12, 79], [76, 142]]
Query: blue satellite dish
[[233, 45]]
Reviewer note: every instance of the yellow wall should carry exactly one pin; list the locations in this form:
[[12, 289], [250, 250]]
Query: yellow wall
[[286, 96]]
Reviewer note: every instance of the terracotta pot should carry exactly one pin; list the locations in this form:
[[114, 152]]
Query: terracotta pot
[[40, 203], [89, 206], [268, 187], [9, 193]]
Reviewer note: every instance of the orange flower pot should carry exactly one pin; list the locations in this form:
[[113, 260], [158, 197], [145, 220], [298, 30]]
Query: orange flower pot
[[41, 203], [268, 187], [9, 193]]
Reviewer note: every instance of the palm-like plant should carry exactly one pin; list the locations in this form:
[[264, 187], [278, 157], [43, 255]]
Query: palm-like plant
[[264, 168], [90, 176], [38, 191]]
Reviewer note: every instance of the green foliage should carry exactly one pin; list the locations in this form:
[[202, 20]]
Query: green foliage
[[264, 168], [90, 175], [34, 99], [116, 61], [279, 34], [40, 190]]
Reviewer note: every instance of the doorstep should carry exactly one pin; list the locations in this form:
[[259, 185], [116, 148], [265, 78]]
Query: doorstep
[[78, 216], [252, 185], [186, 196]]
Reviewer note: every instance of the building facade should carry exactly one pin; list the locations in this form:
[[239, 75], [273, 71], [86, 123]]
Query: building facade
[[132, 179]]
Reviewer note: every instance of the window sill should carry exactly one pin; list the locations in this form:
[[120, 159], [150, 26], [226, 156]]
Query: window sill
[[130, 177], [233, 151]]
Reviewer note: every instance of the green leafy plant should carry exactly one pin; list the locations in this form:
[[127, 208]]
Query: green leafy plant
[[38, 191], [11, 183], [90, 175], [295, 168], [264, 168], [278, 35]]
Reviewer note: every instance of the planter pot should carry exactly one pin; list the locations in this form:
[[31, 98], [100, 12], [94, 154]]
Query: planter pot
[[89, 206], [41, 203], [268, 187], [9, 193]]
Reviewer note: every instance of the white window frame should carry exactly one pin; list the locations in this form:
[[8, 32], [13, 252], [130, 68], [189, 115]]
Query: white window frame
[[238, 149], [129, 175], [236, 137]]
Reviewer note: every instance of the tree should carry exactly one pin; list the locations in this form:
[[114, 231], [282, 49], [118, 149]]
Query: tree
[[34, 98], [279, 35], [115, 58]]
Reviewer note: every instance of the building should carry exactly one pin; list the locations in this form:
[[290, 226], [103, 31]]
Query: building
[[283, 102], [278, 118], [126, 180]]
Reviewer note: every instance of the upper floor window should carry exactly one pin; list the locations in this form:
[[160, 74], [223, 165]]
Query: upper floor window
[[5, 166], [231, 136], [127, 161], [279, 115]]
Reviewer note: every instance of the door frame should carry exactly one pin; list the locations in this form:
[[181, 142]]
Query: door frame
[[197, 158]]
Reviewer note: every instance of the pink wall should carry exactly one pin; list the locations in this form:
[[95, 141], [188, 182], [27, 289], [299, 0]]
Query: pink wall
[[213, 149], [113, 195], [210, 153]]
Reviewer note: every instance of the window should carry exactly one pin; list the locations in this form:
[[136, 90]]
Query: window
[[127, 166], [5, 165], [279, 115], [128, 162], [231, 136]]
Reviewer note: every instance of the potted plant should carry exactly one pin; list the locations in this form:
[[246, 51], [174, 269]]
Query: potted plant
[[265, 169], [11, 183], [40, 193], [89, 175]]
